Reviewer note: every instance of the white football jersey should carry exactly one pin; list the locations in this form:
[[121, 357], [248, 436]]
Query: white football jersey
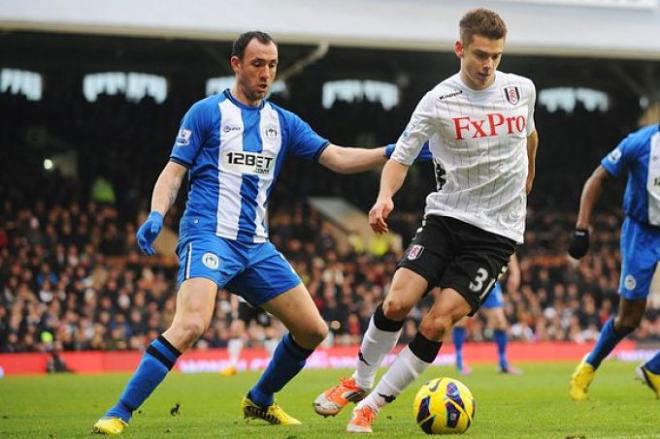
[[478, 139]]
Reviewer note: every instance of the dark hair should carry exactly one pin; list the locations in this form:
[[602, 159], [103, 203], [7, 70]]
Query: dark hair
[[238, 49], [482, 22]]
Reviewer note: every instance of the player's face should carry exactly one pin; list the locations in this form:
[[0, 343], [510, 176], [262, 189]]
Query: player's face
[[256, 72], [479, 60]]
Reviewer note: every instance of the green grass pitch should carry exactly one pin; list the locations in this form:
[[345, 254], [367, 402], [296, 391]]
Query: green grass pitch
[[535, 405]]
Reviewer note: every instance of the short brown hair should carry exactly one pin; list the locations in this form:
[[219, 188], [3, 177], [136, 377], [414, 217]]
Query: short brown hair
[[238, 48], [482, 22]]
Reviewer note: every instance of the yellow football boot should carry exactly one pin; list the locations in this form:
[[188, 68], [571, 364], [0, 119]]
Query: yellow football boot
[[110, 426], [273, 414], [649, 378], [580, 380]]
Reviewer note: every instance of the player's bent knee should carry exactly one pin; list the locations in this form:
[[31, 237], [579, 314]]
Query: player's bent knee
[[190, 330], [312, 336], [627, 323], [626, 327], [435, 327], [395, 309]]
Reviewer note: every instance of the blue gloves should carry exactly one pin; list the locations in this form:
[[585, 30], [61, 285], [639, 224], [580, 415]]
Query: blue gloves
[[424, 155], [148, 232]]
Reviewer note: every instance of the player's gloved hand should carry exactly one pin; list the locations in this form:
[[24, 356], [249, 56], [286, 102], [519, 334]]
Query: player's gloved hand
[[148, 232], [579, 244], [423, 156]]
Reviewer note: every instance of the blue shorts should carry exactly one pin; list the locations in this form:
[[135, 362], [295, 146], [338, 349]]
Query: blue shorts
[[256, 272], [640, 254], [494, 298]]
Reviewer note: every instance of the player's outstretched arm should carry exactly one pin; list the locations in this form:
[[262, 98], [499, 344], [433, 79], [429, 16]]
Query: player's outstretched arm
[[532, 145], [391, 180], [349, 160], [590, 195], [162, 198]]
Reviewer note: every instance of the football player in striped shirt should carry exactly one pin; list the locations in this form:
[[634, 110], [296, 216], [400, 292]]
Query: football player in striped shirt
[[480, 127], [232, 146], [637, 157]]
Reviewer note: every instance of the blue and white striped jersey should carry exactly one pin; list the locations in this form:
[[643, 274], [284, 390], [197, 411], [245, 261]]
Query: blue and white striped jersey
[[638, 155], [234, 154]]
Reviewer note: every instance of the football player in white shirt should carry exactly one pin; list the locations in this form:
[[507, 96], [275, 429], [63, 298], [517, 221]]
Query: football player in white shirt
[[480, 128]]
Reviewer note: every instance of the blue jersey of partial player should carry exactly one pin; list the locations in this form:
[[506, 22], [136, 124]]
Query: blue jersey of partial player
[[234, 154], [638, 156]]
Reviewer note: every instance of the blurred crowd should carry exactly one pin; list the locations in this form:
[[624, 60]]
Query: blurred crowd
[[71, 276]]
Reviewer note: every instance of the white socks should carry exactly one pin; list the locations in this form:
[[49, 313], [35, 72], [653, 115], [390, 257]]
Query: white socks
[[270, 344], [234, 348], [376, 343], [405, 369]]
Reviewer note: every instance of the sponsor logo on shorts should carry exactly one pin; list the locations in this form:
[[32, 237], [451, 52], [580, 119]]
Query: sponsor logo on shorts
[[211, 261], [629, 282], [415, 252]]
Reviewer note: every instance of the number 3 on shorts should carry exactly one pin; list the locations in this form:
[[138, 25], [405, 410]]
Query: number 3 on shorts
[[478, 283]]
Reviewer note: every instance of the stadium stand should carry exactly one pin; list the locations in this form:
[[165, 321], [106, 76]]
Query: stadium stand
[[71, 274]]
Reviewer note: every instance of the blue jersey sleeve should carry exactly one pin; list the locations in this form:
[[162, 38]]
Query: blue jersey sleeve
[[621, 158], [617, 160], [191, 136], [304, 142]]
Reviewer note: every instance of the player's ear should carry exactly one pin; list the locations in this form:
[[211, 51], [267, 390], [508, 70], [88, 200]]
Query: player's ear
[[458, 49], [235, 63]]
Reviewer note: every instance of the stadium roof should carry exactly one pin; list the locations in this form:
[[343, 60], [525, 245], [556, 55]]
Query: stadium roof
[[580, 28]]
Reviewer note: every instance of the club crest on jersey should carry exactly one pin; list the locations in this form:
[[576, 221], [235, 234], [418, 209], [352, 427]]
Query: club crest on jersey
[[270, 132], [415, 252], [211, 261], [512, 94]]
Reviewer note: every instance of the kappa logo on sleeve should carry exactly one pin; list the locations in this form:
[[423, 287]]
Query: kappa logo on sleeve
[[183, 138]]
